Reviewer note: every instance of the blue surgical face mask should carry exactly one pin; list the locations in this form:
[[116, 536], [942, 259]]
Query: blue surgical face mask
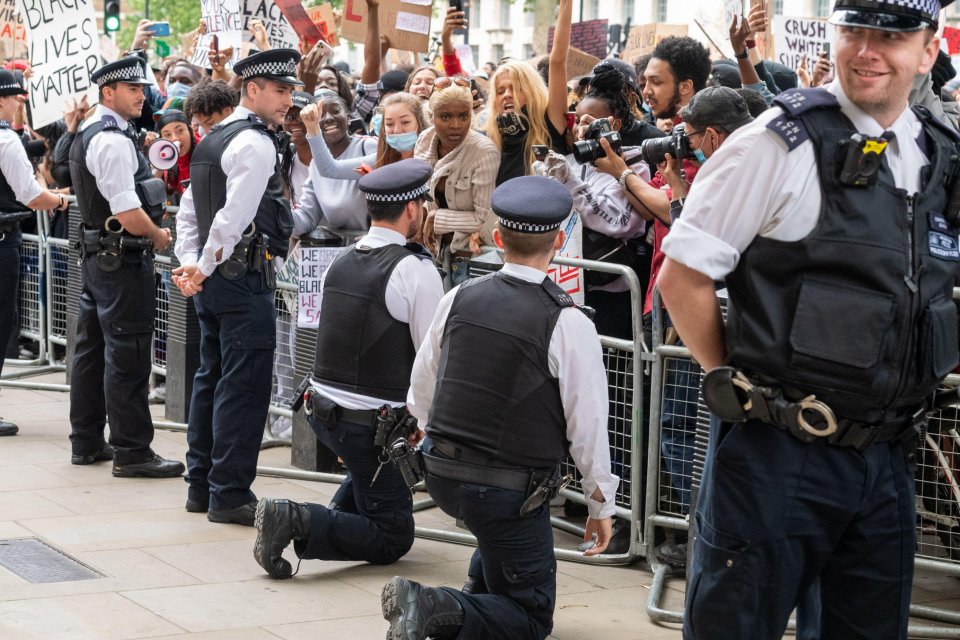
[[402, 141], [178, 90], [645, 107], [700, 157], [375, 123]]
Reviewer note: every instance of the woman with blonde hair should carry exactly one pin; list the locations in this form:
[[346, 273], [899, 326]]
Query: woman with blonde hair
[[524, 111], [465, 165]]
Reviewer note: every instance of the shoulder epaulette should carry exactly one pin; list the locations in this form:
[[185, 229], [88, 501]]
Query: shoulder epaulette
[[797, 101], [109, 122], [790, 130]]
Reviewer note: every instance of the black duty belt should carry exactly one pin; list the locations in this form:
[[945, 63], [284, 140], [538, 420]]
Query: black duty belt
[[734, 397], [452, 462], [357, 416]]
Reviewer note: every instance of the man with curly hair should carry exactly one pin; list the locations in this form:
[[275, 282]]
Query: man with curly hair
[[210, 102], [678, 68]]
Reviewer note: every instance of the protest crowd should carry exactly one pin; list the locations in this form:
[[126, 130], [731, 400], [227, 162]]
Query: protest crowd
[[816, 185]]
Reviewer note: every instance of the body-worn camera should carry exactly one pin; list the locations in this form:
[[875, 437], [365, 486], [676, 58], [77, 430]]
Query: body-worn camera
[[677, 144], [862, 156], [589, 149]]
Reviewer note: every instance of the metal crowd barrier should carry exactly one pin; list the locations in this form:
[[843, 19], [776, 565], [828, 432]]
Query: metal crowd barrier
[[679, 433], [50, 287]]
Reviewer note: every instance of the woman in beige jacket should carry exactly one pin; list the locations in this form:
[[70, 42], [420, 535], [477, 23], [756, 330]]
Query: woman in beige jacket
[[465, 167]]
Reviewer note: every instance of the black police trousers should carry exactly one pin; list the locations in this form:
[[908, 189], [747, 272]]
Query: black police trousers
[[516, 598], [231, 389], [112, 359], [778, 516], [9, 286], [371, 515]]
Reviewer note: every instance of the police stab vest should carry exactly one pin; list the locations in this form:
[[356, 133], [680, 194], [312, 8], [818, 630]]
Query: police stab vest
[[208, 183], [361, 348], [94, 208], [860, 312], [8, 199], [495, 394]]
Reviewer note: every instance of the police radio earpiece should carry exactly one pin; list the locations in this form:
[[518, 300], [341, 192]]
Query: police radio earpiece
[[163, 154]]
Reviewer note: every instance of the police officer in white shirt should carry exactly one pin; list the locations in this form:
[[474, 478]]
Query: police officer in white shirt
[[19, 193], [121, 205], [509, 378], [378, 299], [233, 220], [829, 219]]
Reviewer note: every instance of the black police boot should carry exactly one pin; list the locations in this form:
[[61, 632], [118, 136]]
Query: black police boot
[[155, 467], [416, 612], [8, 428], [278, 522], [244, 514], [105, 453]]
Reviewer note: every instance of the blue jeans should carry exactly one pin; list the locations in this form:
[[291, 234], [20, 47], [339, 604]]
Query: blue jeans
[[369, 520], [776, 516], [515, 553], [231, 389]]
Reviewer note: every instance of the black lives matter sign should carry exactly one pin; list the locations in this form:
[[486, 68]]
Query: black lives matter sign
[[64, 51]]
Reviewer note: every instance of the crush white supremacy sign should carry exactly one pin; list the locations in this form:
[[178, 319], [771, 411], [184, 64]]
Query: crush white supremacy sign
[[64, 51]]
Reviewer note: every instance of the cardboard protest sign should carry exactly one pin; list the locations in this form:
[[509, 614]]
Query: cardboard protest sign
[[297, 16], [798, 37], [590, 36], [322, 16], [644, 38], [313, 263], [579, 63], [279, 32], [13, 33], [64, 51], [406, 24], [465, 53], [223, 20]]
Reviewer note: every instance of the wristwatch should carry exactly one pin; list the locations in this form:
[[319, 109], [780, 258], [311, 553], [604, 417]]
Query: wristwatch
[[744, 55], [62, 201], [623, 178]]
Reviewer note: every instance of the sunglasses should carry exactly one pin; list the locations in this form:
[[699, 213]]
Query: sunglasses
[[443, 83]]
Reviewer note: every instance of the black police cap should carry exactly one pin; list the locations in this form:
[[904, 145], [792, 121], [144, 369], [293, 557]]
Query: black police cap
[[9, 85], [888, 15], [278, 65], [531, 204], [401, 181], [129, 70]]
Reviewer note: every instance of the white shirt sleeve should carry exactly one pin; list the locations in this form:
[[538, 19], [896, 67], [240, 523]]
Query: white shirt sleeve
[[188, 238], [423, 377], [576, 360], [248, 161], [308, 213], [603, 203], [413, 293], [112, 160], [16, 168]]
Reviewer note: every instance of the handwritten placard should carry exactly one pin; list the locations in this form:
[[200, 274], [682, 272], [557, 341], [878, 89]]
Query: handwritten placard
[[404, 33], [223, 20], [313, 264], [643, 39], [280, 34], [64, 51], [798, 37], [13, 32]]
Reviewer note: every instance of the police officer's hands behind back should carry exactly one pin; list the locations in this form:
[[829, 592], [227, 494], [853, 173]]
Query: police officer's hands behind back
[[189, 279]]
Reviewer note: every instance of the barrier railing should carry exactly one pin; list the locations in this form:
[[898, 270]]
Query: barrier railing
[[679, 433]]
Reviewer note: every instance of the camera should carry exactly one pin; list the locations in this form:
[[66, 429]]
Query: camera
[[677, 144], [589, 149]]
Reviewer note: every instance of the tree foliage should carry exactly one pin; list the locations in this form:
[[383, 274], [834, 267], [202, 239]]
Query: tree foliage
[[183, 16]]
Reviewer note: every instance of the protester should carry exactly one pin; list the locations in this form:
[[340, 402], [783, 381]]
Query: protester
[[210, 103]]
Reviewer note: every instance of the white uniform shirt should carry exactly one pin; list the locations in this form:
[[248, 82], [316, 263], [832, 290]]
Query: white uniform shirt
[[16, 168], [753, 186], [413, 293], [113, 161], [248, 162], [575, 360]]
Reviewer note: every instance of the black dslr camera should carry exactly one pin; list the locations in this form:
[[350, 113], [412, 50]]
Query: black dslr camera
[[677, 144], [589, 149]]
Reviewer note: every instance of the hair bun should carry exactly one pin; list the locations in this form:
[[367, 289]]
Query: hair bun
[[608, 80]]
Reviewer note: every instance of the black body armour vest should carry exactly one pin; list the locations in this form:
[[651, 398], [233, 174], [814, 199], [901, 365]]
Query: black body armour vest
[[208, 183], [8, 199], [860, 312], [360, 347], [94, 208], [495, 394]]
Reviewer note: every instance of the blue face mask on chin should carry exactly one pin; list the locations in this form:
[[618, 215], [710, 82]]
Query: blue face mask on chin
[[700, 157], [402, 141], [375, 123]]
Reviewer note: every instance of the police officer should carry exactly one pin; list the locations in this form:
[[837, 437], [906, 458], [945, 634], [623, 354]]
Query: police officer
[[17, 186], [233, 220], [509, 377], [121, 205], [378, 298], [829, 219]]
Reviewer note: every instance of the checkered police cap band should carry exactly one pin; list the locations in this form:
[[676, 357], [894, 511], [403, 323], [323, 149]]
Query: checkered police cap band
[[288, 68], [4, 87], [526, 227], [134, 72], [398, 197], [929, 7]]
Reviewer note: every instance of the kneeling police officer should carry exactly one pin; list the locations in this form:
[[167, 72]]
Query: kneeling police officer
[[509, 378], [378, 299]]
